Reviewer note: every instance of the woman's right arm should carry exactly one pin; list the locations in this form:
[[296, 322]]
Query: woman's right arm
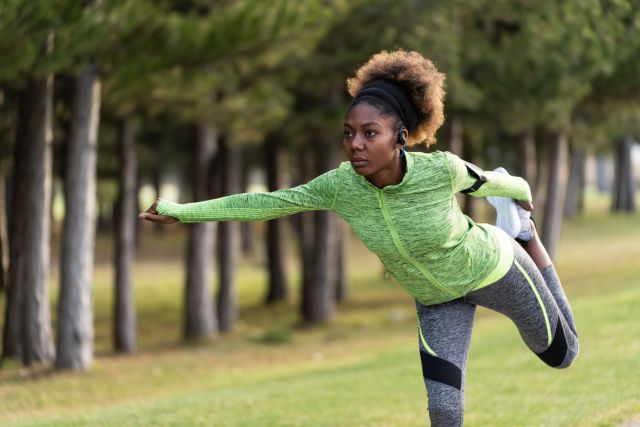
[[317, 194]]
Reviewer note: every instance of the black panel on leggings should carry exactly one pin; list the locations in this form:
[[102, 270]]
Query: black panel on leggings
[[440, 370], [555, 354]]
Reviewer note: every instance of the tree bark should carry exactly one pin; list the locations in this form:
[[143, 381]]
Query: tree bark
[[75, 305], [124, 315], [542, 177], [342, 290], [229, 240], [306, 237], [321, 300], [247, 239], [277, 287], [28, 318], [556, 193], [200, 319], [455, 144], [623, 188], [575, 188], [137, 225], [4, 235], [318, 305], [527, 158], [11, 337], [603, 174], [156, 177]]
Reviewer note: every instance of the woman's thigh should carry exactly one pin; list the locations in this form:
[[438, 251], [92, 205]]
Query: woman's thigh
[[523, 296]]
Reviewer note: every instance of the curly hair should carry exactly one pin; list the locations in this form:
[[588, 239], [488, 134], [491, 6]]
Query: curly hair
[[419, 77]]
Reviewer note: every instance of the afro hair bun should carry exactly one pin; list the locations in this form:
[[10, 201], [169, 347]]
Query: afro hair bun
[[419, 77]]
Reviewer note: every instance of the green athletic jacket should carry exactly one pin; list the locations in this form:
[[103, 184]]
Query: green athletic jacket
[[415, 227]]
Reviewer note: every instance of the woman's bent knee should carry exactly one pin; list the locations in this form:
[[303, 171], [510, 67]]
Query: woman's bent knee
[[573, 350], [563, 350]]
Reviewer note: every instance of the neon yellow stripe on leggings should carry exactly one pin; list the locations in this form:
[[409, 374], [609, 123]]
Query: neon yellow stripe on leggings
[[535, 291], [424, 342]]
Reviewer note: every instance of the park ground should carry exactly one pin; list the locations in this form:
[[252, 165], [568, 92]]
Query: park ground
[[360, 370]]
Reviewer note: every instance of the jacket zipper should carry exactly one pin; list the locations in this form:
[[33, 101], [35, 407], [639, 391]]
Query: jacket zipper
[[401, 249]]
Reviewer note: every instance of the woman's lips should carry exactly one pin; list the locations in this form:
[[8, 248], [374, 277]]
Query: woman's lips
[[358, 163]]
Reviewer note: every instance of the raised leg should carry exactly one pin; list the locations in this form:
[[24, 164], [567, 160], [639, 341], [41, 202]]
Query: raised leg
[[540, 257], [535, 302]]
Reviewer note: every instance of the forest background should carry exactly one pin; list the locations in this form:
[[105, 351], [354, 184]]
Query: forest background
[[106, 104]]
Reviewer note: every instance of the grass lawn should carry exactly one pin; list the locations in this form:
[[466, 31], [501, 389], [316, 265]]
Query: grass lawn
[[361, 370]]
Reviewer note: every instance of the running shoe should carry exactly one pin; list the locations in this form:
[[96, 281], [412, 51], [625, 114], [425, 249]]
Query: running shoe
[[509, 217]]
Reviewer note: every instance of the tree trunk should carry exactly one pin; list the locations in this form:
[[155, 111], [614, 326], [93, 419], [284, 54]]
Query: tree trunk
[[306, 237], [124, 315], [246, 227], [137, 225], [603, 174], [4, 235], [200, 319], [542, 177], [11, 337], [156, 178], [319, 292], [527, 158], [575, 188], [623, 191], [28, 319], [321, 305], [246, 238], [342, 290], [75, 305], [455, 144], [229, 239], [277, 288], [556, 193]]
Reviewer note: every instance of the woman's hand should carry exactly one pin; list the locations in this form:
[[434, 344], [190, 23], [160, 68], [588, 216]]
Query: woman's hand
[[525, 205], [152, 216]]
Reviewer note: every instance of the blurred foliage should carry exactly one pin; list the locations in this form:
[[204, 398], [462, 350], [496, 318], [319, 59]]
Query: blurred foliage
[[254, 68]]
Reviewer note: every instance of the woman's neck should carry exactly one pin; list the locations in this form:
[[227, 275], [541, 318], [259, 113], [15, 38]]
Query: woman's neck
[[390, 176]]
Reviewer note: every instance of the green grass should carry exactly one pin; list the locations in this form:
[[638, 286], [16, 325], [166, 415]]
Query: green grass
[[361, 370]]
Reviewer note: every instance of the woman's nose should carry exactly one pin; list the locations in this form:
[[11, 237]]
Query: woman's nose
[[357, 143]]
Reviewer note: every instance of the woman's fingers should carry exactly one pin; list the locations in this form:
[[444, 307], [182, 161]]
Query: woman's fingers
[[525, 205], [163, 219], [152, 215]]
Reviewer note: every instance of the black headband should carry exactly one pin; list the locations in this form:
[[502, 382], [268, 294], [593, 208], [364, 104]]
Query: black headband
[[394, 96]]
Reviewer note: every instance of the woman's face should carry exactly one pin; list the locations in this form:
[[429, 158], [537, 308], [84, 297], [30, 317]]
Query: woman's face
[[370, 142]]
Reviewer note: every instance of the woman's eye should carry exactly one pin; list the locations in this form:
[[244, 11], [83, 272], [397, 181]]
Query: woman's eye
[[370, 133], [347, 134]]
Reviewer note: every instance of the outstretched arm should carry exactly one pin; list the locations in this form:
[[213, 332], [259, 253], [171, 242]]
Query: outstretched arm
[[478, 183], [317, 194]]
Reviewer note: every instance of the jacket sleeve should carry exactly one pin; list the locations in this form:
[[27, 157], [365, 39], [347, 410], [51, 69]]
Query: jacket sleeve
[[466, 177], [317, 194]]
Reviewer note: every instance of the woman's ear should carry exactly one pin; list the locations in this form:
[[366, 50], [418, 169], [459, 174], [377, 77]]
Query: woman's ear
[[403, 134]]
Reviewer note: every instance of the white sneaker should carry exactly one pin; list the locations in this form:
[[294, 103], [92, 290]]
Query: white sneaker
[[507, 215], [526, 233]]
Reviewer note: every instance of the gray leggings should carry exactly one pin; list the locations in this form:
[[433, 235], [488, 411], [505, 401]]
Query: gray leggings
[[532, 299]]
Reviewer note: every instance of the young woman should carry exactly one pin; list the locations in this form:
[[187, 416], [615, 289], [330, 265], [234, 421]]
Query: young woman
[[403, 207]]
